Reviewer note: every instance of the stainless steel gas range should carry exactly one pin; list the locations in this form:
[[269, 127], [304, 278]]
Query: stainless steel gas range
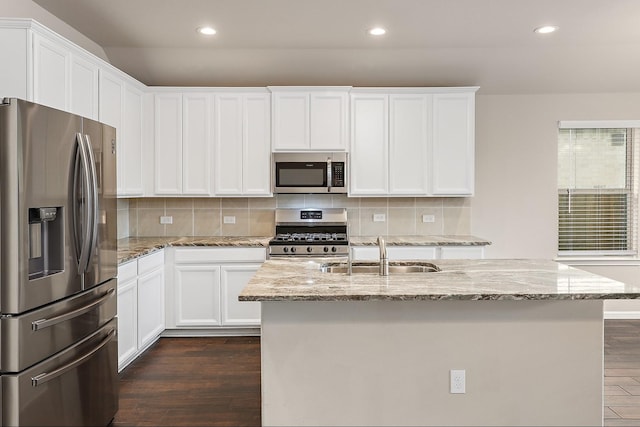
[[310, 232]]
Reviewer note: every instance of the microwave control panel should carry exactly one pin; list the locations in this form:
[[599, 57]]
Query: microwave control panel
[[338, 174]]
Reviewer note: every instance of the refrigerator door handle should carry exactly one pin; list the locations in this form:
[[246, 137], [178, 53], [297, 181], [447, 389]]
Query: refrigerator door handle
[[37, 325], [94, 201], [48, 376], [82, 237]]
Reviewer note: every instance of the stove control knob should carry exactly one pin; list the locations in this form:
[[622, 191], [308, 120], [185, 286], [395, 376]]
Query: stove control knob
[[285, 249], [326, 249], [293, 250], [334, 249], [309, 249]]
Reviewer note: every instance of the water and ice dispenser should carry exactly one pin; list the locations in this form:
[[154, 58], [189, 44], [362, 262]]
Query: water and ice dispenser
[[46, 241]]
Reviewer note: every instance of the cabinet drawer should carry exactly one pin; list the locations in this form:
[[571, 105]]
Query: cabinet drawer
[[150, 262], [210, 255], [127, 271]]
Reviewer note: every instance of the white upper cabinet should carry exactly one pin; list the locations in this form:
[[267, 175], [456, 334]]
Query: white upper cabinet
[[412, 141], [168, 144], [84, 87], [409, 117], [51, 73], [313, 119], [453, 143], [64, 77], [121, 107], [256, 163], [212, 143], [197, 143], [243, 149], [369, 144]]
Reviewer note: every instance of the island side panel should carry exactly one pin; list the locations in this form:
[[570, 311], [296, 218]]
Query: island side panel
[[388, 362]]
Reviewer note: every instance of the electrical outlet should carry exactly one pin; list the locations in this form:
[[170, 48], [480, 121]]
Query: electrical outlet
[[428, 218], [166, 220], [458, 381], [229, 219], [379, 217]]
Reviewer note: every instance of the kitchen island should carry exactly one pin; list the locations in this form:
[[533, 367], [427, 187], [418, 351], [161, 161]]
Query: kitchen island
[[372, 350]]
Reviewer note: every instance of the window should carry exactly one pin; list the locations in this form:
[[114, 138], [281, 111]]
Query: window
[[597, 188]]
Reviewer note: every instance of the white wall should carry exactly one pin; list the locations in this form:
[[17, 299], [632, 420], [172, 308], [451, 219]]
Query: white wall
[[516, 175], [515, 205], [29, 9]]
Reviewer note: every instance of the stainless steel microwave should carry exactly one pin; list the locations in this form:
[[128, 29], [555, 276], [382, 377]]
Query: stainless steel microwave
[[310, 173]]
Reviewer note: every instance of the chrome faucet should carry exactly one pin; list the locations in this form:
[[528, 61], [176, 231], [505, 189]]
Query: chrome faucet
[[384, 261]]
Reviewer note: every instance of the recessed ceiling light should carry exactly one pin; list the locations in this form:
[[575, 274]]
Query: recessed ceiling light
[[377, 31], [206, 31], [546, 29]]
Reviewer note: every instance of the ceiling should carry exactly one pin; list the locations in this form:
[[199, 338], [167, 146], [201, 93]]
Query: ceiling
[[486, 43]]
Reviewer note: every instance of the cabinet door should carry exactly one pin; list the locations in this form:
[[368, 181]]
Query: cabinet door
[[50, 73], [328, 121], [453, 143], [290, 121], [110, 111], [409, 117], [229, 144], [168, 144], [130, 154], [16, 50], [233, 279], [150, 306], [197, 144], [127, 322], [84, 87], [256, 164], [197, 295], [369, 145]]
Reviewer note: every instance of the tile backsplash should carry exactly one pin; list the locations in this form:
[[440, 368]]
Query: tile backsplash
[[255, 216]]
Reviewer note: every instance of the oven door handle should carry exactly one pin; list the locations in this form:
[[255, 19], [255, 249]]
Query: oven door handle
[[36, 325], [329, 175], [48, 376]]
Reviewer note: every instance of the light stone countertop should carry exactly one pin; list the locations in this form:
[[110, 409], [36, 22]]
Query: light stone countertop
[[301, 280], [133, 247], [415, 240], [130, 248]]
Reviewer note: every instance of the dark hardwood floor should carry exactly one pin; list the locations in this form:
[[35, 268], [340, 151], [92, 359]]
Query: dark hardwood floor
[[193, 382], [216, 381]]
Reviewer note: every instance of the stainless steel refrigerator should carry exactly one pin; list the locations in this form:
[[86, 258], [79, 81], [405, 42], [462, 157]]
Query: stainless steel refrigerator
[[58, 265]]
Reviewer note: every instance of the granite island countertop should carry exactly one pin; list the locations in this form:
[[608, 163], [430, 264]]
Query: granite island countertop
[[302, 280]]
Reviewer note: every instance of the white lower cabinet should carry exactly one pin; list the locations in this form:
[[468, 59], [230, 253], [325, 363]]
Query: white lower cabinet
[[233, 278], [140, 305], [372, 253], [127, 313], [205, 287]]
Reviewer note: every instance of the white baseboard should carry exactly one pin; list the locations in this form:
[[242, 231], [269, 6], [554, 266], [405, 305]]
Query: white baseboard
[[212, 332], [622, 315]]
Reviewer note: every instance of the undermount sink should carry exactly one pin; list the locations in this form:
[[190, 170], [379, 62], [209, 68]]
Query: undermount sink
[[398, 267]]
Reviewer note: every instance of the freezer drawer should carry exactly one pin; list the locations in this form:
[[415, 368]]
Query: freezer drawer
[[77, 387], [31, 337]]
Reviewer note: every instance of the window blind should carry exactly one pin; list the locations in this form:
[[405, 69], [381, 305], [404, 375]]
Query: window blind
[[597, 191]]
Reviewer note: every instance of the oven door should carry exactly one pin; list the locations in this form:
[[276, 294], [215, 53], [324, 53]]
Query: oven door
[[76, 387]]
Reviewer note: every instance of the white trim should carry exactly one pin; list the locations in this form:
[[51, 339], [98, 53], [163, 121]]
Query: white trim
[[622, 315], [612, 261], [596, 124], [414, 90], [212, 332]]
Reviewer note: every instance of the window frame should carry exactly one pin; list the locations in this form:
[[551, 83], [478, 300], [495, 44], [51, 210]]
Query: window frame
[[632, 251]]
